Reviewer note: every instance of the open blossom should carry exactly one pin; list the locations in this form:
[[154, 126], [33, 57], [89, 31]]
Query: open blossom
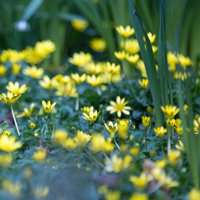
[[48, 106], [125, 31], [14, 92], [119, 106], [9, 143], [169, 111], [34, 72], [90, 114]]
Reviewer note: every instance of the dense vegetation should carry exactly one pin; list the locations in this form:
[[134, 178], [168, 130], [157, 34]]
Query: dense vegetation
[[99, 100]]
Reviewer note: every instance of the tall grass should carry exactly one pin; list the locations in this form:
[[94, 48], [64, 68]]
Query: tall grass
[[162, 86]]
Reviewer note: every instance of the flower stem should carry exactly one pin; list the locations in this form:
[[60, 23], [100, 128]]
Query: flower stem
[[169, 139], [15, 121], [77, 104]]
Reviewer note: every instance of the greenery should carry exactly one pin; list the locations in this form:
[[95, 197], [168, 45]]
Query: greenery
[[99, 100]]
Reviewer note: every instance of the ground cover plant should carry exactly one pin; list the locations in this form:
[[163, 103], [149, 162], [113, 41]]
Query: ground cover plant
[[99, 100]]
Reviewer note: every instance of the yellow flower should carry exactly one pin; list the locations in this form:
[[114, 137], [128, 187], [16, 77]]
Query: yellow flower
[[9, 98], [82, 138], [131, 46], [99, 144], [181, 75], [146, 121], [3, 70], [67, 89], [111, 128], [196, 125], [39, 52], [139, 196], [80, 59], [40, 154], [27, 112], [94, 81], [32, 125], [134, 151], [117, 164], [79, 24], [133, 59], [159, 175], [90, 114], [12, 188], [169, 111], [184, 61], [60, 136], [194, 194], [5, 160], [126, 31], [48, 106], [46, 83], [144, 83], [160, 131], [121, 55], [69, 144], [34, 72], [172, 61], [173, 156], [161, 163], [9, 143], [141, 67], [180, 146], [139, 181], [98, 44], [112, 195], [123, 125], [16, 89], [13, 94], [77, 78], [152, 37], [119, 107], [16, 68]]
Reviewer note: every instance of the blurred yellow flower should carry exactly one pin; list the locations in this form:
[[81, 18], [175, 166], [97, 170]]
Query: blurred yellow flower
[[89, 113], [80, 59], [144, 83], [40, 154], [174, 156], [16, 89], [34, 72], [48, 106], [82, 138], [126, 31], [5, 160], [160, 131], [3, 70], [9, 143], [98, 44], [60, 136], [111, 127], [194, 194], [139, 196], [99, 144], [196, 125], [123, 125], [139, 181], [14, 188], [131, 46], [79, 24]]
